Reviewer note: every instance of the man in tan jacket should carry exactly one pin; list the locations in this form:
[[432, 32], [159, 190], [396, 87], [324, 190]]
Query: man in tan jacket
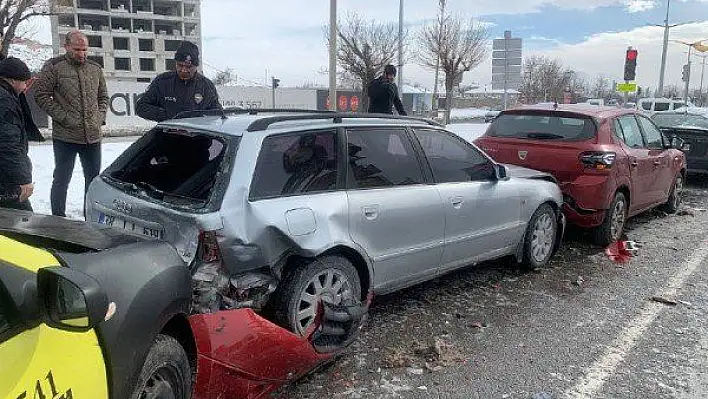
[[72, 90]]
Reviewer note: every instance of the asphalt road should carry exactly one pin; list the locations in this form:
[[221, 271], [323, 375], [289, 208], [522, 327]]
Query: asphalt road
[[584, 328]]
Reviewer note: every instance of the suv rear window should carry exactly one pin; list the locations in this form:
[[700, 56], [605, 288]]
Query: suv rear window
[[543, 126], [661, 106], [171, 165]]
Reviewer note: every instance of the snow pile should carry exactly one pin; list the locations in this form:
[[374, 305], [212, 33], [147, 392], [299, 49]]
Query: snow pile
[[32, 53], [42, 156], [467, 113]]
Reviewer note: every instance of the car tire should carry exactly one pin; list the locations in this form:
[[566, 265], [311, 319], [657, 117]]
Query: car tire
[[294, 304], [540, 237], [166, 371], [674, 201], [612, 227]]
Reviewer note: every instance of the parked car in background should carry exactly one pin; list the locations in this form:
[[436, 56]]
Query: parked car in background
[[611, 163], [691, 126], [290, 207], [89, 311], [599, 102], [652, 105], [490, 115]]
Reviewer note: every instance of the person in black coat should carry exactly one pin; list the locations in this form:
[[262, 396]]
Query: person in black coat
[[383, 93], [16, 130], [183, 89]]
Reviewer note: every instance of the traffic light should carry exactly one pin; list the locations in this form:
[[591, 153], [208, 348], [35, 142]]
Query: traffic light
[[276, 83], [630, 65], [686, 74]]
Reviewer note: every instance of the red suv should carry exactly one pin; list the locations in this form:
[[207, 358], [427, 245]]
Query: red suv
[[610, 163]]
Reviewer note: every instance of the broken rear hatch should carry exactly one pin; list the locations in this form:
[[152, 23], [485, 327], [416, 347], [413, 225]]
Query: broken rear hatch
[[168, 185]]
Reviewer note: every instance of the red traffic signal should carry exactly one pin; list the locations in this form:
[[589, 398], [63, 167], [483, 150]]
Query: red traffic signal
[[631, 55]]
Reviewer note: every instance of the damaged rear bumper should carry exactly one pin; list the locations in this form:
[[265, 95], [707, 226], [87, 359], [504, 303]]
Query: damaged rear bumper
[[242, 355]]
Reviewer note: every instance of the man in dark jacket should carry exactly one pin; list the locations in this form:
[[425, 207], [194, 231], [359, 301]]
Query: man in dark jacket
[[183, 89], [16, 130], [383, 93]]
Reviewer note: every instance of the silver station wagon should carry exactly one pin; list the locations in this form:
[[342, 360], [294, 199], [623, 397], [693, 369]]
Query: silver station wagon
[[277, 210]]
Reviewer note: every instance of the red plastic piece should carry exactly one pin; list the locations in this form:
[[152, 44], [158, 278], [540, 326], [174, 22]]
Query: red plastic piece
[[621, 251], [242, 355]]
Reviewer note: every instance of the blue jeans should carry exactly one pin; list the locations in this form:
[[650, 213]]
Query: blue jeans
[[64, 159]]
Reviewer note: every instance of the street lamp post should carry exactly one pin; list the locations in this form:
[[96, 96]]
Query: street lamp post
[[333, 55], [703, 69]]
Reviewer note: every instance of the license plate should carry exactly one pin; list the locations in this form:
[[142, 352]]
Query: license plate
[[112, 221]]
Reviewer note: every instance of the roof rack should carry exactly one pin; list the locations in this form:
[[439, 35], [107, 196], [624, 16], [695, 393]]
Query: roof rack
[[239, 110], [299, 115], [337, 117]]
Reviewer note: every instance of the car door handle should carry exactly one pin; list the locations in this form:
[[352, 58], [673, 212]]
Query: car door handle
[[657, 163], [634, 164], [370, 212], [457, 202]]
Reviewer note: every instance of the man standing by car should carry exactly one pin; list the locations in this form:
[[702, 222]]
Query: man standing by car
[[72, 90], [383, 93], [183, 89], [16, 130]]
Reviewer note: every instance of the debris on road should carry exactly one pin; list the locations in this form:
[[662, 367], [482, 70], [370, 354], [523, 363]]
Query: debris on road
[[579, 281], [663, 300], [622, 251]]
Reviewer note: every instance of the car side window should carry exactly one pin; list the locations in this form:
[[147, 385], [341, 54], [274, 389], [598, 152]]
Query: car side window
[[294, 164], [646, 106], [661, 106], [381, 157], [618, 131], [651, 134], [630, 129], [453, 160]]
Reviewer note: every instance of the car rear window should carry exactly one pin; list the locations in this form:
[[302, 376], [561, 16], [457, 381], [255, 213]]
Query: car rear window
[[172, 165], [543, 126]]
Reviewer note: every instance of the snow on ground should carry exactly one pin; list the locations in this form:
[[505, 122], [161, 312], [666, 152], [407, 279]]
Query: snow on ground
[[468, 131], [42, 156]]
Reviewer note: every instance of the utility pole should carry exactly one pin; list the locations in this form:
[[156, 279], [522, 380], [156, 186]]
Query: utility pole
[[400, 49], [333, 55], [700, 102], [660, 89], [441, 23], [688, 76]]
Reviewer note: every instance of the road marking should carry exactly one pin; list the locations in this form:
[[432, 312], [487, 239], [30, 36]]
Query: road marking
[[598, 373]]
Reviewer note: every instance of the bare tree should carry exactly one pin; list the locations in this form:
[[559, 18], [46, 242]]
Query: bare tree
[[457, 45], [225, 77], [673, 91], [601, 87], [14, 12], [545, 79], [365, 48]]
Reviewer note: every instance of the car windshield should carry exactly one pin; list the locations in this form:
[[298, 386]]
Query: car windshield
[[543, 126], [674, 120]]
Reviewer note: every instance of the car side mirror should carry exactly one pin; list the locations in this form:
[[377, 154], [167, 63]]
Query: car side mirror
[[501, 171], [70, 300]]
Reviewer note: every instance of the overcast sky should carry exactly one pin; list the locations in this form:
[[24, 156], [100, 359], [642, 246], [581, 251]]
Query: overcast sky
[[286, 37]]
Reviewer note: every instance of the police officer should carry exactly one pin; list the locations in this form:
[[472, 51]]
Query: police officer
[[183, 89], [383, 93]]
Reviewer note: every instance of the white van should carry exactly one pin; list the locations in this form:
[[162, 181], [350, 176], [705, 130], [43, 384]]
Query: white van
[[652, 105]]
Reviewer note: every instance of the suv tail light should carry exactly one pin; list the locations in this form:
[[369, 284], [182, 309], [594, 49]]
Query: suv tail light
[[598, 160], [209, 251]]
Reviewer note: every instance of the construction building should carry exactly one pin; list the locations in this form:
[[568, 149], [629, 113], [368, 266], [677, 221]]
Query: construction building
[[134, 40]]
